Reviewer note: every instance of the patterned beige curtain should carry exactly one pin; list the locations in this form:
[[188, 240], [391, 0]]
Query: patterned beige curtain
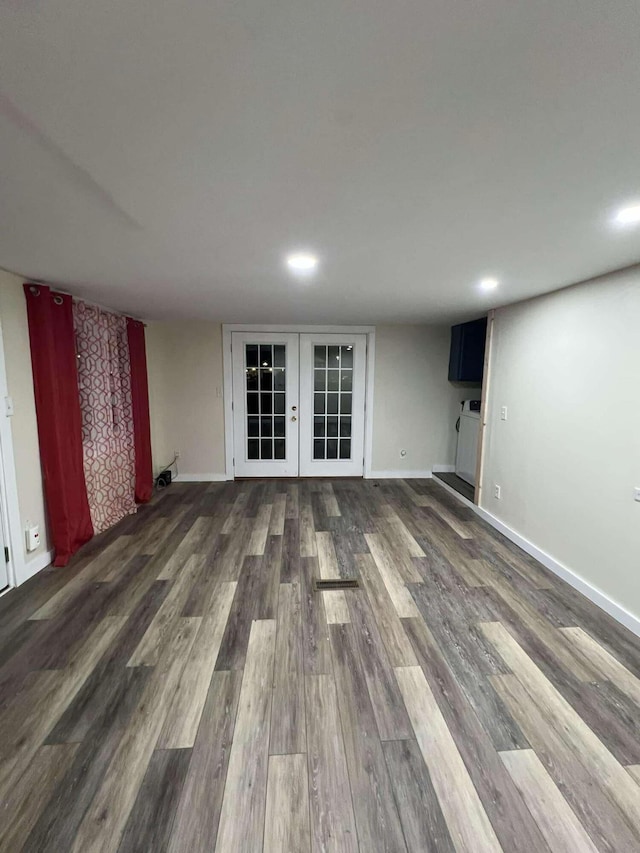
[[104, 380]]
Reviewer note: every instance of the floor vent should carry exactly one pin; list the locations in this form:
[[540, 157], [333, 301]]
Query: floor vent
[[336, 583]]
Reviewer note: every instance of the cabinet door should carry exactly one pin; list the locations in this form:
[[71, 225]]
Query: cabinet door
[[466, 360]]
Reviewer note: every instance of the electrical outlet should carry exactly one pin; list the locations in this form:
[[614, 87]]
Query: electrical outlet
[[176, 453], [636, 493], [32, 534], [497, 492], [503, 413]]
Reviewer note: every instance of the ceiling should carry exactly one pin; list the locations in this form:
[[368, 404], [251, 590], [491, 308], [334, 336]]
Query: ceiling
[[161, 157]]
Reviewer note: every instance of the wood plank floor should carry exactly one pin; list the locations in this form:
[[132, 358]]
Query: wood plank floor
[[182, 687]]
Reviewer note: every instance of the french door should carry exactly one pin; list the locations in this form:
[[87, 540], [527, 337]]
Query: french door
[[265, 404], [298, 404]]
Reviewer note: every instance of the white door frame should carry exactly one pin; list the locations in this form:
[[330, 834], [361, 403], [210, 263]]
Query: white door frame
[[228, 328], [10, 510]]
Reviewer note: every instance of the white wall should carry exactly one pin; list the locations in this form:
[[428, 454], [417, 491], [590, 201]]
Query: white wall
[[415, 407], [24, 426], [184, 361], [567, 366]]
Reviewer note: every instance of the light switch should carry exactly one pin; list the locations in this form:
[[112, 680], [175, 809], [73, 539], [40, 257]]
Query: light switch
[[503, 413], [8, 406]]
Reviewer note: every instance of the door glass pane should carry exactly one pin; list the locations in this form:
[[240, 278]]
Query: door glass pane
[[265, 368], [266, 404], [278, 380], [266, 355], [266, 379], [252, 379], [252, 355], [346, 356], [332, 398], [346, 400]]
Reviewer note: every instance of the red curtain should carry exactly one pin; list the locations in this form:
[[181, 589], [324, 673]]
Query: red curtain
[[140, 401], [55, 379]]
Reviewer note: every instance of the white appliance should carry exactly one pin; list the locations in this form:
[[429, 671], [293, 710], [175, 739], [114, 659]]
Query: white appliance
[[467, 453]]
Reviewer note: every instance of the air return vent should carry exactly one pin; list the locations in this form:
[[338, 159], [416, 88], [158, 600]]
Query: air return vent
[[336, 583]]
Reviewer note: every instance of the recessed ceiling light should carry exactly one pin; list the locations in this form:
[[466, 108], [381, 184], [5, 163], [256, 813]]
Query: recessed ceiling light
[[629, 215], [489, 283], [302, 263]]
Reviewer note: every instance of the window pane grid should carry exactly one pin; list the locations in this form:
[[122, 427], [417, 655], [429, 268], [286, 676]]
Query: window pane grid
[[265, 366], [332, 401]]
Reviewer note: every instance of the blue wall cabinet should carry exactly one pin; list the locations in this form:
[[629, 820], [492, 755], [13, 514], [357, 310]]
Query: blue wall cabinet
[[466, 359]]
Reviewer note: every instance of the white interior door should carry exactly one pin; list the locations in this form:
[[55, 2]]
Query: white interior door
[[265, 404], [4, 575], [332, 396]]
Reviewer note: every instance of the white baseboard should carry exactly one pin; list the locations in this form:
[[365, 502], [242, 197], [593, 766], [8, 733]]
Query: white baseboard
[[593, 593], [444, 469], [372, 475], [200, 478], [29, 568], [398, 475]]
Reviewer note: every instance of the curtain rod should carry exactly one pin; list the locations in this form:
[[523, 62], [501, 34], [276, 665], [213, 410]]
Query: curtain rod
[[88, 301]]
